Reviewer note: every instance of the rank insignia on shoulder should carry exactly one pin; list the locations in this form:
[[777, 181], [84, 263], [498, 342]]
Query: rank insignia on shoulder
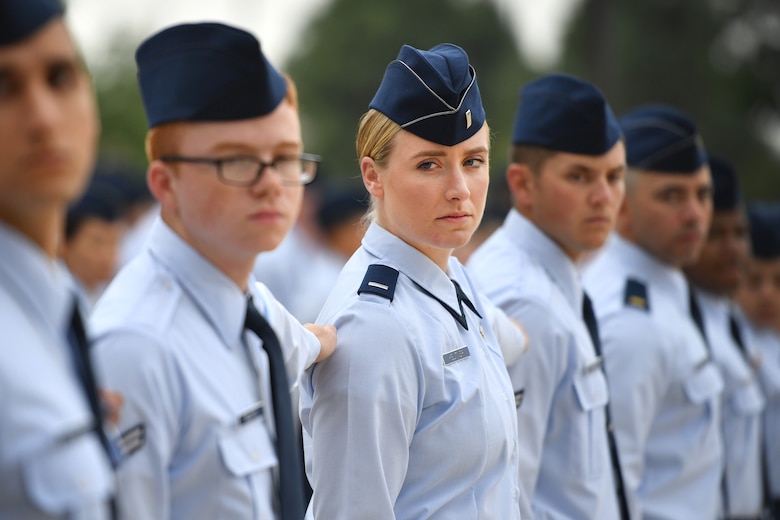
[[380, 280], [636, 295], [132, 440], [456, 355], [519, 397]]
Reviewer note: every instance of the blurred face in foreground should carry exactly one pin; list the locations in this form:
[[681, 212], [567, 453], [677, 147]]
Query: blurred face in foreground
[[721, 265], [667, 215], [228, 224], [48, 129], [431, 196], [574, 199]]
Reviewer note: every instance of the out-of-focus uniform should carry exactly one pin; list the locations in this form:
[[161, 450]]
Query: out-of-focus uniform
[[52, 464], [565, 468], [665, 389]]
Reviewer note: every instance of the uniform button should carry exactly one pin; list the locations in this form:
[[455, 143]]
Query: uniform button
[[166, 284], [255, 454]]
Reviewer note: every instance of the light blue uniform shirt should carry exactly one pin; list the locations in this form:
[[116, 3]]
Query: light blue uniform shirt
[[742, 404], [197, 423], [52, 465], [565, 467], [664, 387], [396, 428], [764, 347]]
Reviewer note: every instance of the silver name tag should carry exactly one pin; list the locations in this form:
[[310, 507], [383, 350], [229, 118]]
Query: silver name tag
[[456, 355]]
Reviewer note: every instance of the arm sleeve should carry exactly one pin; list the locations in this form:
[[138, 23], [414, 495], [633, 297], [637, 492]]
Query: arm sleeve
[[538, 373], [133, 365], [510, 336], [638, 377], [364, 411]]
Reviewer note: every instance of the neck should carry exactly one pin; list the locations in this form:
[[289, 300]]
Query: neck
[[237, 267], [44, 226]]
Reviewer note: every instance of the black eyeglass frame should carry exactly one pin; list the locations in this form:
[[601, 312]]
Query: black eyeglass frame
[[217, 162]]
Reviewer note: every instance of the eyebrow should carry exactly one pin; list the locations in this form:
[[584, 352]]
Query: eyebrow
[[227, 146], [441, 153]]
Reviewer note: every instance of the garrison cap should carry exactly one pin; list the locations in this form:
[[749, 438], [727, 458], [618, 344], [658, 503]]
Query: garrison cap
[[206, 72], [567, 114], [726, 194], [662, 139], [764, 222], [21, 18], [432, 94]]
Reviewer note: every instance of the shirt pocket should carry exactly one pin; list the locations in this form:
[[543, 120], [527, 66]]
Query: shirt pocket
[[73, 476], [705, 384], [590, 387], [247, 449], [747, 400]]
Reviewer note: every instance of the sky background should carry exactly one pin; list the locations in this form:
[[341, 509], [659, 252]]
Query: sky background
[[536, 24]]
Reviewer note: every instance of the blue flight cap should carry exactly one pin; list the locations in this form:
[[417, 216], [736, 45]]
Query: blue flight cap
[[433, 94], [662, 139], [764, 222], [726, 194], [566, 114], [21, 18], [206, 72]]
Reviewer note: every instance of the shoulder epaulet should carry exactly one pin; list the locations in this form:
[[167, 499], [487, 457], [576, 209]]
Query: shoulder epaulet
[[636, 295], [380, 280]]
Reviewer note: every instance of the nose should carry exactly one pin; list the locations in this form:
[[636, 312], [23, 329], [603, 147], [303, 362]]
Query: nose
[[41, 108], [268, 181], [457, 188], [601, 192]]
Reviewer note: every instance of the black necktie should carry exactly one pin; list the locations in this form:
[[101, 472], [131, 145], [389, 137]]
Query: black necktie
[[77, 338], [460, 317], [287, 449], [589, 317], [696, 315]]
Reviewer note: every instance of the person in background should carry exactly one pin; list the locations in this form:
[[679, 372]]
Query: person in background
[[566, 180], [664, 386], [413, 416], [204, 357], [94, 227], [714, 277], [54, 456], [759, 300], [340, 217]]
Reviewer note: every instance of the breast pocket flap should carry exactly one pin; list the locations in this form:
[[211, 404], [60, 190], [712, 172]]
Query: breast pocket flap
[[247, 449]]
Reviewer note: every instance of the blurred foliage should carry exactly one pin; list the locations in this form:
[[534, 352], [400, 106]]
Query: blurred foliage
[[718, 60], [121, 109], [342, 58]]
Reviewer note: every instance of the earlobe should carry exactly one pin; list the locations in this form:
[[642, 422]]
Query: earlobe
[[371, 178]]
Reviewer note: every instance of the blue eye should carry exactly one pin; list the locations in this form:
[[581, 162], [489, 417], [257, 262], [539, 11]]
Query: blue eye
[[475, 162], [427, 165]]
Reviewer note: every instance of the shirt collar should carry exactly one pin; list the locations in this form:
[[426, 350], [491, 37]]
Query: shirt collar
[[396, 253], [549, 255], [219, 299], [39, 282]]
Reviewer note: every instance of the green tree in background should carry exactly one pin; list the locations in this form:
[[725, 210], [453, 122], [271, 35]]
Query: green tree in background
[[343, 55], [716, 60], [121, 109]]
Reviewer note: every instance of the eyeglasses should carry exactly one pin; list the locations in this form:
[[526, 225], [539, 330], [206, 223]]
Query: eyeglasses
[[244, 170]]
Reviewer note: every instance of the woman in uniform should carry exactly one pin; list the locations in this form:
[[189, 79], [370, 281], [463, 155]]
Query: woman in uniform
[[414, 415]]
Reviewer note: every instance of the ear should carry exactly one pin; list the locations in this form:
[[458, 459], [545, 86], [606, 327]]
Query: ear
[[161, 181], [521, 182], [371, 178]]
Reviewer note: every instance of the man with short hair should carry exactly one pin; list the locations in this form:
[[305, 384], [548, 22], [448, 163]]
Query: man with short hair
[[204, 357], [53, 458], [664, 387], [714, 278], [566, 181]]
